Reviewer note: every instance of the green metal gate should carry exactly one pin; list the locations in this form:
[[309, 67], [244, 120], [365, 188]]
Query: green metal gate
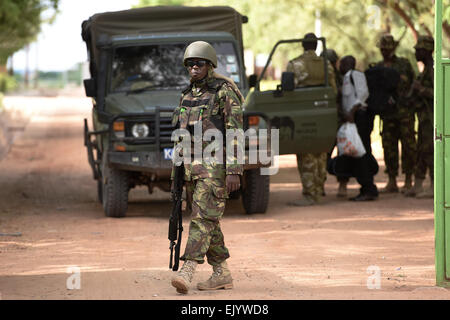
[[441, 156]]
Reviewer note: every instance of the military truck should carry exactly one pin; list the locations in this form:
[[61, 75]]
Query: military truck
[[135, 61]]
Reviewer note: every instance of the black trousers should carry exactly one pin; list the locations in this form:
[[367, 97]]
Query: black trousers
[[364, 168]]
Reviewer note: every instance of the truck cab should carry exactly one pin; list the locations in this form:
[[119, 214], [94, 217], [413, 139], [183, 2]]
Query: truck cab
[[137, 75]]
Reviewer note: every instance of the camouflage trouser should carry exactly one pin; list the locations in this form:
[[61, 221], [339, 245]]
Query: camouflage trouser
[[313, 173], [425, 149], [206, 201], [393, 131]]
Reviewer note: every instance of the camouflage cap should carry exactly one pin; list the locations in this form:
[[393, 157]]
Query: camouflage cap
[[387, 42], [201, 50], [425, 42]]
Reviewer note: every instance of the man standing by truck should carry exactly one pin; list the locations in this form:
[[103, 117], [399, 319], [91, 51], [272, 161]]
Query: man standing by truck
[[215, 102], [308, 70]]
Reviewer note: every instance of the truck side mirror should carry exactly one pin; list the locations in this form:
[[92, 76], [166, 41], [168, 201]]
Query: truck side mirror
[[287, 81], [90, 87], [252, 80]]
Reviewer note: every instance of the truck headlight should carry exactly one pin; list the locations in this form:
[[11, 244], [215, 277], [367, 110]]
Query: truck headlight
[[140, 130]]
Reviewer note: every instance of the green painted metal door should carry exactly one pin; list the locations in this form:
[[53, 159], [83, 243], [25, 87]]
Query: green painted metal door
[[441, 157]]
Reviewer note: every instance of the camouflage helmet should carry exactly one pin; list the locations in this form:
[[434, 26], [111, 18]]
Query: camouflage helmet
[[425, 42], [201, 50], [387, 42]]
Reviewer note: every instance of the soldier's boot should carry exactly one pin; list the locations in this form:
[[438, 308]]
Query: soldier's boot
[[306, 201], [408, 184], [391, 186], [428, 193], [220, 279], [184, 277], [418, 188], [342, 190]]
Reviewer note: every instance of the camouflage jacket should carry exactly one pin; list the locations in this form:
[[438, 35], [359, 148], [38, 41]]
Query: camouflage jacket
[[216, 102], [424, 99], [309, 70], [407, 76]]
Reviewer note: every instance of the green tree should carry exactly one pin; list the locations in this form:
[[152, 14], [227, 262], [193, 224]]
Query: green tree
[[20, 23], [350, 27]]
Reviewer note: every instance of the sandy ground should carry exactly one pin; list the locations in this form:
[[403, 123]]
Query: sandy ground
[[48, 199]]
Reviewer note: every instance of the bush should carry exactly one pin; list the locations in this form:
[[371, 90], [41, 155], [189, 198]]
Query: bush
[[7, 83]]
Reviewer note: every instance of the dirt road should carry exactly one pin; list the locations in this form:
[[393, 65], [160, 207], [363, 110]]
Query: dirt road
[[48, 200]]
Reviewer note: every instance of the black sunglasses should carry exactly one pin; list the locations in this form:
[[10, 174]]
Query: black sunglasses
[[198, 63]]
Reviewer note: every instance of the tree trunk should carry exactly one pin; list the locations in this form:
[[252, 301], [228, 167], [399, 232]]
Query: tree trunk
[[402, 14]]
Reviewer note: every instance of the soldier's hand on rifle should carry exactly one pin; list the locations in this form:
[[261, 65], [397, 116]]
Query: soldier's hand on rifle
[[232, 182]]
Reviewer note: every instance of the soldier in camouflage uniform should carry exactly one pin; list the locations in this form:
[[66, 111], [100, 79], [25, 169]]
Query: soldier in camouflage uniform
[[308, 71], [422, 97], [210, 102], [399, 123]]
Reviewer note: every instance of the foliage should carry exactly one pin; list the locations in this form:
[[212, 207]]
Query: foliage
[[20, 22], [7, 82], [350, 27]]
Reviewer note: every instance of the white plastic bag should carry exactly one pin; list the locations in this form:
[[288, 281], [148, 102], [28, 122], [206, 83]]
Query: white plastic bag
[[349, 142]]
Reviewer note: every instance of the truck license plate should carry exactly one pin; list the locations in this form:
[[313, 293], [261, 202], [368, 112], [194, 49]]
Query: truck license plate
[[168, 153]]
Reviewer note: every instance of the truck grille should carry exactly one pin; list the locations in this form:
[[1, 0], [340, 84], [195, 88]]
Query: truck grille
[[160, 128], [165, 129]]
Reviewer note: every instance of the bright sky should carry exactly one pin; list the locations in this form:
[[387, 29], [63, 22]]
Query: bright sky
[[59, 45]]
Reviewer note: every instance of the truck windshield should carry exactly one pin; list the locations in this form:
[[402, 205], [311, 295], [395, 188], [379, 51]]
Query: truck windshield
[[160, 66]]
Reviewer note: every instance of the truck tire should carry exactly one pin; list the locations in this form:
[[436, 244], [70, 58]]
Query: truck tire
[[115, 187], [255, 196]]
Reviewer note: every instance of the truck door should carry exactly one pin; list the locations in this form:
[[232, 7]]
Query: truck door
[[306, 116]]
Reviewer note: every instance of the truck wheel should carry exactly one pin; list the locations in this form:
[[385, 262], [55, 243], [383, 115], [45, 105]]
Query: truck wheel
[[255, 196], [115, 187]]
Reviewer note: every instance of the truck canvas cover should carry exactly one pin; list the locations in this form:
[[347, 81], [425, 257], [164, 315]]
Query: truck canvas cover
[[160, 19]]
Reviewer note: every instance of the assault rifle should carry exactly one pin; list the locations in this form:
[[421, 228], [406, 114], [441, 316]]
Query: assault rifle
[[176, 219]]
